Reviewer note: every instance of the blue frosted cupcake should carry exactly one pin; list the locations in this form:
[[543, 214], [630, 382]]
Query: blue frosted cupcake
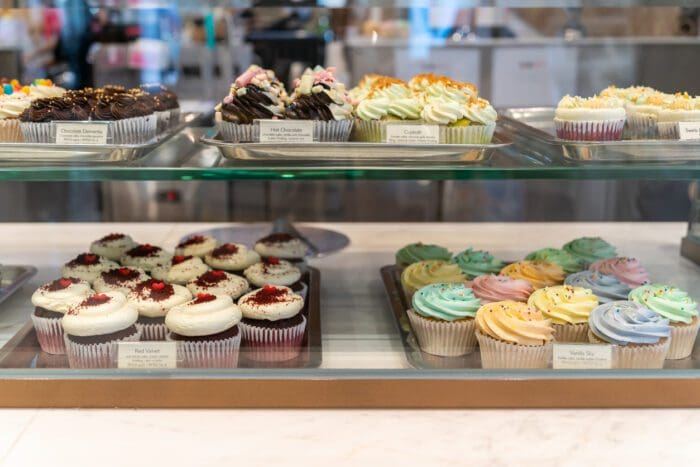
[[606, 288]]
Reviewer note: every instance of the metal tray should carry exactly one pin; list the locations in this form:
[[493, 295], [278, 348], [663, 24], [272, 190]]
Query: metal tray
[[12, 278], [43, 153], [532, 129], [458, 154]]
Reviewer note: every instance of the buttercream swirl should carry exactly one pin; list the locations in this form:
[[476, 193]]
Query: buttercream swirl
[[218, 283], [372, 109], [480, 112], [422, 273], [12, 105], [492, 288], [538, 273], [181, 270], [575, 108], [607, 288], [204, 316], [196, 245], [670, 302], [281, 245], [272, 272], [318, 95], [100, 314], [271, 303], [627, 270], [119, 280], [153, 299], [624, 322], [514, 322], [563, 258], [61, 294], [87, 266], [590, 249], [564, 304], [415, 252], [446, 302], [112, 246], [231, 257], [476, 262], [443, 113]]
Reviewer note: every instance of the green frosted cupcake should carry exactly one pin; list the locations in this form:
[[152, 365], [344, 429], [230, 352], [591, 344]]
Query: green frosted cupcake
[[476, 263], [590, 249], [568, 262], [415, 252]]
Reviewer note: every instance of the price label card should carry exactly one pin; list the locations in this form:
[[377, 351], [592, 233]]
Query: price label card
[[412, 134], [82, 133], [688, 131], [147, 355], [286, 131], [582, 357]]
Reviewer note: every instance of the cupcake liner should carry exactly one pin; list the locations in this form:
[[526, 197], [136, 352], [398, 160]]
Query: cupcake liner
[[668, 130], [571, 332], [208, 354], [152, 331], [163, 121], [136, 130], [103, 355], [647, 356], [272, 344], [10, 131], [332, 131], [604, 130], [640, 126], [682, 339], [174, 117], [49, 333], [38, 132], [472, 134], [239, 133], [499, 354], [443, 338], [373, 131]]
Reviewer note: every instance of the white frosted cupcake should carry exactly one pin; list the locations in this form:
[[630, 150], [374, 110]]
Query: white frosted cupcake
[[683, 108], [472, 122], [87, 266], [233, 257], [146, 257], [589, 119], [196, 245], [275, 271], [284, 246], [119, 280], [180, 270], [153, 299], [112, 246], [219, 283], [206, 332], [11, 106], [51, 302]]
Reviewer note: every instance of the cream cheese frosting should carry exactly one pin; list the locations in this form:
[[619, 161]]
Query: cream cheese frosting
[[575, 108], [281, 245], [181, 269], [204, 316], [12, 105], [112, 246], [232, 257], [219, 283], [272, 271], [153, 298], [100, 314], [87, 266], [146, 257], [271, 303], [196, 245], [61, 294], [119, 280]]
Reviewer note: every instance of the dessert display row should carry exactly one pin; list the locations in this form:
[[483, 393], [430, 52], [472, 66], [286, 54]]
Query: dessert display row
[[579, 293]]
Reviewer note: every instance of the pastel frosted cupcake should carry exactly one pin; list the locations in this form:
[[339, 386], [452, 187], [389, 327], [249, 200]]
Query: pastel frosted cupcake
[[682, 108], [206, 331], [568, 262], [275, 271], [51, 302], [112, 246], [640, 338], [643, 114], [679, 308], [119, 280], [475, 263], [95, 325], [273, 324], [473, 122], [627, 270], [196, 245], [567, 308], [233, 257], [513, 335], [153, 299], [219, 283], [146, 257], [538, 273], [87, 266], [180, 270], [422, 273], [283, 246], [490, 288], [414, 252], [589, 119], [442, 319], [590, 249], [607, 288]]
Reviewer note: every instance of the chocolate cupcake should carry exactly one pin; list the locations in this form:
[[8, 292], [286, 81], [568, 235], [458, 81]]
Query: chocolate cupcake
[[119, 280], [112, 246], [37, 121], [132, 117], [232, 257], [196, 245], [275, 271], [181, 269], [219, 283], [153, 299], [87, 266], [167, 107], [146, 257]]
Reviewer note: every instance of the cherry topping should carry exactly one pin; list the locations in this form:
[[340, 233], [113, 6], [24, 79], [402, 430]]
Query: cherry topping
[[204, 297], [217, 273], [180, 259], [272, 260], [65, 282], [270, 289], [158, 285], [97, 299], [124, 271]]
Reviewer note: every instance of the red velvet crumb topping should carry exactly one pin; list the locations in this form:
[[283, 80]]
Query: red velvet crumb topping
[[180, 259], [154, 289], [62, 283], [143, 251], [84, 259], [193, 240], [276, 238], [225, 250], [272, 260], [112, 237], [204, 298], [95, 300], [268, 295]]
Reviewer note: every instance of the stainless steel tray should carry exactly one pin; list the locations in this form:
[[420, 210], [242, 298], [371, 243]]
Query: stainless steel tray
[[532, 130], [42, 153], [12, 278], [458, 154]]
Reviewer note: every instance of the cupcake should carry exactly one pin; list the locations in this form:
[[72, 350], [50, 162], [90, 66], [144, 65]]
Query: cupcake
[[146, 257], [196, 245], [563, 258], [363, 87], [473, 122], [415, 252], [180, 270], [43, 88], [218, 283], [284, 246], [476, 263], [422, 273], [606, 288], [51, 302], [275, 271], [442, 319], [319, 97], [12, 104], [87, 266], [643, 112], [639, 337], [233, 257], [131, 116], [112, 246], [589, 119], [567, 308], [590, 249], [538, 273], [36, 121], [206, 331], [682, 108], [94, 326], [627, 270], [167, 106], [513, 335], [119, 280], [490, 288], [676, 306], [153, 299], [273, 324]]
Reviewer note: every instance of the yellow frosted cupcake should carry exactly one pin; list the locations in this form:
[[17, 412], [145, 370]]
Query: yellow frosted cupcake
[[513, 335], [568, 308], [538, 273], [423, 273]]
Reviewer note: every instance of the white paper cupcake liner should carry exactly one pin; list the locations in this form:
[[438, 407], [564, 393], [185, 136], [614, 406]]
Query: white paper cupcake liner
[[272, 344], [640, 126], [239, 133], [604, 130], [668, 130], [683, 339], [646, 356], [443, 338], [332, 131], [152, 331], [102, 355], [208, 354], [373, 131], [472, 134], [571, 332], [49, 333], [499, 354], [10, 131], [38, 132]]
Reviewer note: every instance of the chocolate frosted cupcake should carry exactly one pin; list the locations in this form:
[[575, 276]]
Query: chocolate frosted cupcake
[[112, 246], [275, 271], [152, 299], [196, 245], [94, 326], [146, 257], [233, 257], [219, 283], [273, 324], [284, 246], [180, 270], [167, 107], [87, 266], [131, 115], [51, 302], [119, 280], [37, 120]]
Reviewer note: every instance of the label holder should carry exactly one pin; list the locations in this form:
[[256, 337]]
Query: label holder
[[147, 355], [412, 133], [286, 131], [581, 356]]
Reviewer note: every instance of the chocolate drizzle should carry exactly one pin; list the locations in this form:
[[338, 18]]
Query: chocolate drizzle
[[314, 106], [254, 104]]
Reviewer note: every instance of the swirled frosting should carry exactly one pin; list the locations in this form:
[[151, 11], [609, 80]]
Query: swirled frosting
[[372, 109], [443, 113], [415, 252], [318, 95], [670, 302], [607, 288], [119, 280], [491, 288], [153, 298], [627, 270], [476, 262], [272, 271], [446, 302], [204, 316], [231, 257], [564, 304], [196, 245], [514, 322], [146, 257], [87, 266], [422, 273], [624, 322], [42, 88], [590, 249], [281, 245], [256, 94], [181, 269], [271, 303], [563, 258], [112, 246], [480, 112], [100, 314], [589, 109], [218, 283], [12, 105], [538, 273], [61, 294]]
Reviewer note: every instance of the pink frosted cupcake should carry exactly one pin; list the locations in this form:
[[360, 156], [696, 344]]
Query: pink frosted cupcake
[[51, 302], [492, 288], [627, 270], [589, 119]]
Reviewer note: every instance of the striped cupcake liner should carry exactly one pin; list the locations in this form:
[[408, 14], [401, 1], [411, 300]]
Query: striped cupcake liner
[[152, 331], [272, 344], [641, 126], [221, 353], [49, 333], [10, 131], [443, 338], [499, 354], [103, 355], [605, 130], [633, 356], [683, 339], [571, 332]]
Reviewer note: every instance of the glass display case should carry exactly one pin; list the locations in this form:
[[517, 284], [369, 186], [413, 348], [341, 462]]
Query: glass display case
[[198, 256]]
